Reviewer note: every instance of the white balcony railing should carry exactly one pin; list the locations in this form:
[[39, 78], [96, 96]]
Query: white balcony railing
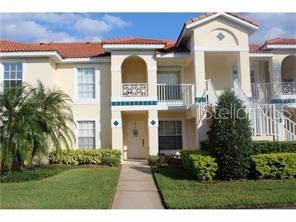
[[262, 92], [177, 94], [134, 89]]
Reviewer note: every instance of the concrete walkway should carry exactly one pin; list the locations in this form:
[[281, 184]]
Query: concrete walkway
[[136, 188]]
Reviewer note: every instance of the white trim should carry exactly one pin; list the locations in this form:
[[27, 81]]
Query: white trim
[[182, 119], [165, 106], [225, 15], [151, 68], [97, 131], [280, 46], [22, 61], [132, 46], [260, 55], [134, 108], [193, 24], [136, 98], [173, 55], [52, 54], [95, 100], [221, 49], [115, 69]]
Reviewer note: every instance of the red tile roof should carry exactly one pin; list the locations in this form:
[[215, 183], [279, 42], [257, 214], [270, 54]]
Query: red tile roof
[[133, 40], [10, 46], [66, 50], [79, 49], [254, 48], [198, 18], [281, 41]]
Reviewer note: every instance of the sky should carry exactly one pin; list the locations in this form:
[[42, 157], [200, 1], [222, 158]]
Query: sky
[[61, 27]]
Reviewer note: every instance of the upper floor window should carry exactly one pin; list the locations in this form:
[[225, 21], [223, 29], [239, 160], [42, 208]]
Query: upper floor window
[[86, 83], [168, 77], [13, 75], [86, 134]]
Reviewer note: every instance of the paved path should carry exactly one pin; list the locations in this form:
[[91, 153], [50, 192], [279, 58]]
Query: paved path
[[136, 188]]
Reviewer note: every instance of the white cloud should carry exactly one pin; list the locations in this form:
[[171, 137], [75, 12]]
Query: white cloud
[[46, 27], [91, 26], [273, 25], [115, 21]]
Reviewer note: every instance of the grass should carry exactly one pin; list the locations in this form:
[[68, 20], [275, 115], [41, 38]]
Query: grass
[[77, 188], [180, 191], [35, 173]]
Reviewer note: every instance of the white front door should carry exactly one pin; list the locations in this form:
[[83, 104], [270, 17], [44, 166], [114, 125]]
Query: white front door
[[136, 147]]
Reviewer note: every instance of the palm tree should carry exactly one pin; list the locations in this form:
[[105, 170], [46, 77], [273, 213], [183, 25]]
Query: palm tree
[[32, 120], [53, 116], [15, 120]]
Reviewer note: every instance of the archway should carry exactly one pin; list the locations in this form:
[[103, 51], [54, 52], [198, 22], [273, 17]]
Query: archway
[[288, 69], [134, 77]]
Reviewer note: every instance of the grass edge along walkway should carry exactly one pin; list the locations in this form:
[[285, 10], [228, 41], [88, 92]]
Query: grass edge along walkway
[[180, 191]]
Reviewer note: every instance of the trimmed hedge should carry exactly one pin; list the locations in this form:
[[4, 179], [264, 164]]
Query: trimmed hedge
[[276, 165], [158, 160], [201, 166], [262, 147], [108, 157]]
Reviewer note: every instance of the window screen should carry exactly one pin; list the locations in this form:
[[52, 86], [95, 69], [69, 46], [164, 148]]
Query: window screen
[[170, 135]]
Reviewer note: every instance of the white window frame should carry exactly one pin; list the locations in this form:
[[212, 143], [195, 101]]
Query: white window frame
[[95, 100], [184, 141], [3, 61], [97, 131]]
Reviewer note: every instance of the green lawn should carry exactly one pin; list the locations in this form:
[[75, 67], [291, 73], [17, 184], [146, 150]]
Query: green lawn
[[180, 191], [75, 188], [35, 173]]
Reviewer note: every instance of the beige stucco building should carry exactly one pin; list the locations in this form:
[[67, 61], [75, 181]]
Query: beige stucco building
[[148, 96]]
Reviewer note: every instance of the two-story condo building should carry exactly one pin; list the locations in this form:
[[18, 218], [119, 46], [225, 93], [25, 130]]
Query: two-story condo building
[[147, 96]]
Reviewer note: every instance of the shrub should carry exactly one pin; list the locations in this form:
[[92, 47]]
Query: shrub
[[108, 157], [157, 160], [261, 147], [276, 165], [200, 166], [230, 136]]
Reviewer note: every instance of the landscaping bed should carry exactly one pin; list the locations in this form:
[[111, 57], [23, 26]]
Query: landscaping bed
[[83, 187], [182, 191], [34, 173]]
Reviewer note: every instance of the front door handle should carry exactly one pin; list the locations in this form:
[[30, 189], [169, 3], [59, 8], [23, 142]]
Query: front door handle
[[143, 142]]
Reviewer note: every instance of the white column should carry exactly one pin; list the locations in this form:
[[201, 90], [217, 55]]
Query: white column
[[199, 73], [116, 81], [117, 133], [275, 77], [1, 77], [153, 132], [152, 79], [244, 72]]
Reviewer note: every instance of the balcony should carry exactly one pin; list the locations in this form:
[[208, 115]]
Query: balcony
[[262, 92], [178, 94], [134, 89]]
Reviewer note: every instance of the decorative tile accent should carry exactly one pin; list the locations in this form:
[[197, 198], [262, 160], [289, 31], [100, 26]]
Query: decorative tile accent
[[135, 103], [115, 123], [153, 123], [220, 36], [200, 99], [283, 101]]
